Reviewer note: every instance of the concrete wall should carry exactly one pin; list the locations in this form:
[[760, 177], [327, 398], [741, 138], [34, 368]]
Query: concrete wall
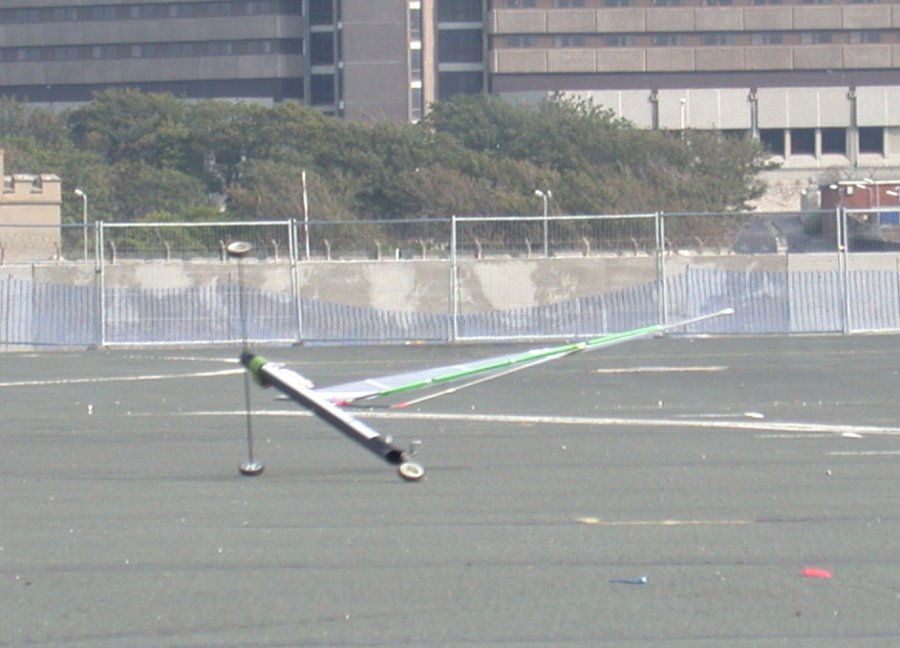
[[425, 286]]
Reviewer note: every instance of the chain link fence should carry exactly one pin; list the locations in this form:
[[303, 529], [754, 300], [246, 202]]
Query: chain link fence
[[464, 278]]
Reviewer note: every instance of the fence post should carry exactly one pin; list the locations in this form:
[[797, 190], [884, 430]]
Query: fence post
[[293, 252], [662, 302], [843, 267], [100, 282], [454, 282]]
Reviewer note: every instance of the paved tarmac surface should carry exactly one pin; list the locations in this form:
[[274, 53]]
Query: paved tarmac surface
[[716, 470]]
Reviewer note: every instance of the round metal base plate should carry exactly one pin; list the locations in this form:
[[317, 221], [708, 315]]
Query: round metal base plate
[[251, 469]]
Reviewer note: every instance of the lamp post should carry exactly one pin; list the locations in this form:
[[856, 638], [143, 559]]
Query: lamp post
[[84, 201], [545, 196]]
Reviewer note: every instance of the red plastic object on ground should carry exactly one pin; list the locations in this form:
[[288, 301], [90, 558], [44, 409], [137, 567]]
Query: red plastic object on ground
[[814, 572]]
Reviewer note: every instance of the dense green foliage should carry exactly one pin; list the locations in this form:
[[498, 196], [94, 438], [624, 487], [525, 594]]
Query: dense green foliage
[[138, 154]]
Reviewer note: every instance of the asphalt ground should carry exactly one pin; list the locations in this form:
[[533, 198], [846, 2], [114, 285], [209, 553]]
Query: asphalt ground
[[666, 493]]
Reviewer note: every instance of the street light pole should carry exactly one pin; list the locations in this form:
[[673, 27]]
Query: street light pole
[[84, 209], [545, 196]]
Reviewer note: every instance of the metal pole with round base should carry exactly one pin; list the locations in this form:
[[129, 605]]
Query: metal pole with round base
[[238, 250]]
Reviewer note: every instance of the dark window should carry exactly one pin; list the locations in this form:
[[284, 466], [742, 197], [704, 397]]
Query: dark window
[[321, 12], [219, 48], [459, 46], [521, 3], [415, 24], [767, 38], [570, 41], [812, 38], [459, 11], [871, 140], [617, 3], [803, 141], [869, 36], [415, 64], [219, 9], [666, 40], [735, 133], [321, 48], [102, 13], [416, 104], [519, 41], [720, 38], [618, 40], [454, 83], [291, 46], [26, 15], [773, 140], [834, 141], [61, 14], [70, 53], [258, 47], [321, 89]]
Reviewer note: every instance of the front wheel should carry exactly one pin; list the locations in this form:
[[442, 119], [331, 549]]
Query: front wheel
[[410, 471]]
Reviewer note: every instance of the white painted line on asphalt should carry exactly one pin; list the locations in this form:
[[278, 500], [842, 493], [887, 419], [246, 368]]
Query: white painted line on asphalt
[[629, 370], [864, 453], [823, 435], [822, 429], [614, 523], [82, 381]]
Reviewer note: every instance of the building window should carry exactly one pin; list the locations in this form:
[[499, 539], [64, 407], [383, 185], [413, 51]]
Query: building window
[[179, 49], [460, 46], [767, 38], [871, 140], [763, 2], [570, 41], [520, 41], [321, 12], [415, 24], [666, 3], [560, 4], [803, 141], [25, 15], [718, 3], [667, 40], [619, 40], [460, 11], [816, 2], [219, 48], [321, 48], [521, 3], [321, 89], [219, 9], [616, 3], [63, 14], [869, 36], [773, 140], [416, 105], [723, 38], [834, 141], [415, 65], [454, 83], [70, 53], [28, 54], [813, 38]]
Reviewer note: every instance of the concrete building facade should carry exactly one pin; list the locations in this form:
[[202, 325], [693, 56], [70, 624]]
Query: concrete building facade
[[29, 216]]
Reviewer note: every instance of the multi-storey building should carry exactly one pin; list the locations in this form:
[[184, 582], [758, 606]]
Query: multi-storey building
[[817, 80]]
